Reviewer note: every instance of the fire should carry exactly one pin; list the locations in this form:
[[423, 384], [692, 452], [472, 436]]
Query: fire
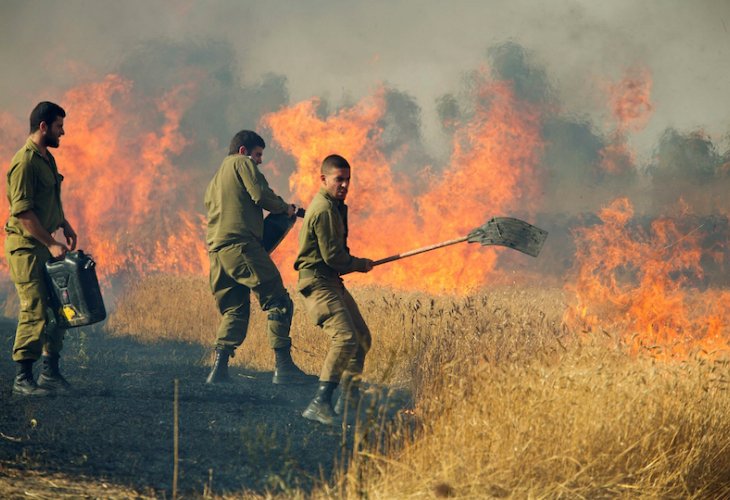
[[138, 211], [616, 157], [643, 284], [631, 108], [639, 284], [492, 171], [122, 191], [630, 100]]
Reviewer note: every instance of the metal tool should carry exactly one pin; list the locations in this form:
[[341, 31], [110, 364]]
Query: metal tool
[[504, 231]]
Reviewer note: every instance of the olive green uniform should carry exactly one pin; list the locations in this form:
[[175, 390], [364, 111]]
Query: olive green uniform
[[33, 183], [323, 256], [239, 264]]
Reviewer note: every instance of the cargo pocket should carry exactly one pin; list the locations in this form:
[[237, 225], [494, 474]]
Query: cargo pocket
[[239, 265], [24, 266], [318, 311], [320, 303]]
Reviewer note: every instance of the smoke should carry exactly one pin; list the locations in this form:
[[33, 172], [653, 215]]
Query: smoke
[[334, 49], [222, 103], [690, 156], [688, 167], [631, 97], [510, 62]]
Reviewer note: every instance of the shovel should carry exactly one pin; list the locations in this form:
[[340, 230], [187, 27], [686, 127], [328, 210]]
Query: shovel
[[504, 231]]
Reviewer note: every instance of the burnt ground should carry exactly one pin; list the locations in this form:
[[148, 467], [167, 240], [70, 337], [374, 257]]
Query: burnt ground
[[117, 426]]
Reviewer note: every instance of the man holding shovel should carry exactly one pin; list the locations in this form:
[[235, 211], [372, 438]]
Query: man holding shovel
[[323, 257]]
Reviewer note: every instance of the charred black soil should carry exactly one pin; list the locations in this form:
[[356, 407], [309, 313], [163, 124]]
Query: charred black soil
[[117, 426]]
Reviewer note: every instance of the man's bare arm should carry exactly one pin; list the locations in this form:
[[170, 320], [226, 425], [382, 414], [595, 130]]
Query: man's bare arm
[[30, 223], [69, 234]]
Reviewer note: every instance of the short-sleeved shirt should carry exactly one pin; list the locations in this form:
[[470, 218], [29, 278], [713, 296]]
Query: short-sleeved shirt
[[235, 200], [33, 184], [323, 238]]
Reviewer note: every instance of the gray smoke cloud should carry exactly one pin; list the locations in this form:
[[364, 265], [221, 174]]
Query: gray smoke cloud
[[333, 49], [222, 104], [258, 57], [249, 58], [689, 156]]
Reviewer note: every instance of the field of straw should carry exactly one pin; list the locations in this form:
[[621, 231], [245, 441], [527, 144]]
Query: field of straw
[[508, 402]]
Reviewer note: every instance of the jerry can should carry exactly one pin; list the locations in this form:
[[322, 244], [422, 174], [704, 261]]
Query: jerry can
[[74, 290]]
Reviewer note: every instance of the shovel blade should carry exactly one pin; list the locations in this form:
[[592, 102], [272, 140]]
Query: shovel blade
[[512, 233]]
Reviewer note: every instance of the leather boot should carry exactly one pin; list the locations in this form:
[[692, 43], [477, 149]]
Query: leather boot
[[219, 372], [286, 372], [349, 396], [51, 378], [320, 408], [24, 384]]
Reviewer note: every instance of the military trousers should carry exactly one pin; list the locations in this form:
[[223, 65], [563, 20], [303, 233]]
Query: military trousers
[[36, 332], [236, 271], [331, 307]]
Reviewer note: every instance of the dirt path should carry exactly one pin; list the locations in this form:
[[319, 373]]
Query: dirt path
[[118, 426]]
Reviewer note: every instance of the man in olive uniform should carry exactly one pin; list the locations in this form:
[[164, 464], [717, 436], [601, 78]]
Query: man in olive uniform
[[239, 264], [323, 256], [34, 193]]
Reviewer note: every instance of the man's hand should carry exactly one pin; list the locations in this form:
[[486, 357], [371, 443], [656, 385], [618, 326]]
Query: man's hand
[[30, 223], [57, 249], [69, 234], [292, 211], [368, 266]]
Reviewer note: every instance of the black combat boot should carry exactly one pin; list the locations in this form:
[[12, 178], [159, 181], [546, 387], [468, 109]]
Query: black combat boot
[[51, 378], [349, 396], [219, 372], [24, 384], [320, 408], [286, 372]]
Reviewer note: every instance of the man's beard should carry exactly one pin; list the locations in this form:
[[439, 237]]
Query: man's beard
[[51, 141]]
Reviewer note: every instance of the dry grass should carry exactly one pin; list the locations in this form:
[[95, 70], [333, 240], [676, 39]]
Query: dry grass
[[26, 483], [590, 424], [413, 333], [508, 404]]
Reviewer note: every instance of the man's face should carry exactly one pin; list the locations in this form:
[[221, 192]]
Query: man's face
[[336, 182], [256, 154], [52, 134]]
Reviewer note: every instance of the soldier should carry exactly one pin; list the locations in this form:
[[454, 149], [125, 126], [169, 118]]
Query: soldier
[[36, 212], [323, 256], [239, 263]]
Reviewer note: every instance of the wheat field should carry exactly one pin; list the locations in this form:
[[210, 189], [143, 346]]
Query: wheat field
[[508, 402]]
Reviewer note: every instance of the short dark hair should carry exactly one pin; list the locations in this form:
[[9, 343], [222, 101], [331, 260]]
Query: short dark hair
[[246, 138], [332, 162], [45, 112]]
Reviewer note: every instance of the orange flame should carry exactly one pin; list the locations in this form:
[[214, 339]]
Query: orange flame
[[136, 211], [122, 190], [631, 107], [630, 100], [638, 284], [492, 172]]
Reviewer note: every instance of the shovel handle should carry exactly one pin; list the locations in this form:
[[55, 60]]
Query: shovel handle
[[387, 259], [418, 250]]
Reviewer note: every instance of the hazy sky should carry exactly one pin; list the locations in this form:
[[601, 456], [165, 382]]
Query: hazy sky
[[342, 49]]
